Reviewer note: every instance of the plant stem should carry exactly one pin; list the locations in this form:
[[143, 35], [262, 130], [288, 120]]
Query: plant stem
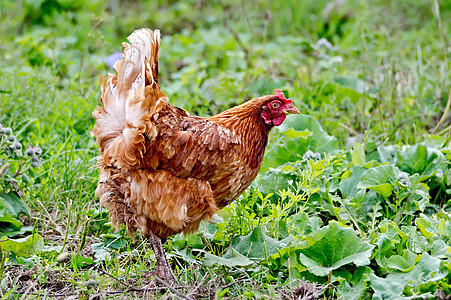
[[445, 114], [398, 215], [17, 173], [442, 36], [381, 117], [4, 168]]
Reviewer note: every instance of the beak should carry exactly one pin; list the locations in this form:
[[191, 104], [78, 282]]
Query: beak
[[290, 108]]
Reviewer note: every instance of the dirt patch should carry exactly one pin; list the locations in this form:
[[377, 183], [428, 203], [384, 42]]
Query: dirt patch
[[302, 291]]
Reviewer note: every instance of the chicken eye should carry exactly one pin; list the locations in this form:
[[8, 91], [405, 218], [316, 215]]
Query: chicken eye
[[275, 105]]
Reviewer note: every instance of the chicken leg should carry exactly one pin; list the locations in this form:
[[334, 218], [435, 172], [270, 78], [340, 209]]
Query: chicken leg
[[163, 270]]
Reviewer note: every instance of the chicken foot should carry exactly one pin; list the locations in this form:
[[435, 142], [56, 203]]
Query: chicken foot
[[163, 270]]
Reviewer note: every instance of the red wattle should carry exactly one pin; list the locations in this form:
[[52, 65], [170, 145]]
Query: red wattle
[[279, 119]]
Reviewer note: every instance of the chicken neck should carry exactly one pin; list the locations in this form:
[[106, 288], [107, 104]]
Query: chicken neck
[[245, 120]]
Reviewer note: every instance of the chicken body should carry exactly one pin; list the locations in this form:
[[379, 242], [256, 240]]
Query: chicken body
[[162, 170]]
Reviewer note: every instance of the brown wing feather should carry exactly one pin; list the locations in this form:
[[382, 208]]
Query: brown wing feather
[[189, 146]]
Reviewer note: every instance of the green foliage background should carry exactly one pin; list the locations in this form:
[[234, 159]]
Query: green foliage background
[[363, 171]]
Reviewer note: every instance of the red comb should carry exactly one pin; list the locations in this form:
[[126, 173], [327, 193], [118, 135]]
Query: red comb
[[281, 96]]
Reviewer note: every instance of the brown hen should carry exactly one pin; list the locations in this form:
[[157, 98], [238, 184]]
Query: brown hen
[[161, 169]]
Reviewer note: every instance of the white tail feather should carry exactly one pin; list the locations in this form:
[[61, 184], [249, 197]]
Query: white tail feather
[[127, 104]]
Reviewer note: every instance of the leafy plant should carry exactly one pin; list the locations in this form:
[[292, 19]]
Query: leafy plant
[[11, 203]]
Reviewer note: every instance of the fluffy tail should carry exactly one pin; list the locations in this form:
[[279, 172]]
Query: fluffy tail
[[129, 100]]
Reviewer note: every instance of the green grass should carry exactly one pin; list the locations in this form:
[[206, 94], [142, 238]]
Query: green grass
[[373, 74]]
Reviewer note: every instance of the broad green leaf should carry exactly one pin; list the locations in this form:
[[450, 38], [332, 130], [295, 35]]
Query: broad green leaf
[[392, 231], [220, 233], [274, 180], [413, 159], [10, 232], [420, 159], [186, 255], [403, 263], [257, 245], [378, 179], [320, 141], [384, 250], [81, 262], [285, 150], [8, 223], [384, 154], [304, 224], [13, 204], [114, 241], [426, 227], [334, 246], [384, 189], [440, 249], [391, 253], [419, 241], [288, 257], [195, 241], [291, 133], [354, 287], [234, 259], [192, 241], [299, 134], [428, 269], [358, 155], [209, 229], [348, 186], [100, 253], [23, 247]]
